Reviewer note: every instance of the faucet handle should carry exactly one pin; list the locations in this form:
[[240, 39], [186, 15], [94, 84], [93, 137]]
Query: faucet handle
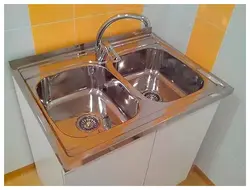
[[107, 48]]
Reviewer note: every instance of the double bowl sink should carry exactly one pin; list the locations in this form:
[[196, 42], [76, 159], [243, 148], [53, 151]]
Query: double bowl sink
[[87, 107], [99, 101]]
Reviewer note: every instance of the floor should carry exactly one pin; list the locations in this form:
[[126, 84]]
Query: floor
[[29, 177]]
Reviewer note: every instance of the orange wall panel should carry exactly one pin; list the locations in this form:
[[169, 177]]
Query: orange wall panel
[[207, 34], [53, 36], [40, 14], [83, 10], [87, 28], [59, 26]]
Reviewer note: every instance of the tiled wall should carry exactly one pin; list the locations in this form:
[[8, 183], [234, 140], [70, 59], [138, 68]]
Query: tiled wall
[[18, 43], [208, 32], [197, 30], [173, 23], [57, 26], [222, 155]]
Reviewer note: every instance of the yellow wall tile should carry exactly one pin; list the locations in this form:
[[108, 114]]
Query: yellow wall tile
[[219, 15], [49, 13], [204, 43], [53, 36], [207, 34], [87, 10], [94, 9], [60, 33], [126, 6], [87, 28]]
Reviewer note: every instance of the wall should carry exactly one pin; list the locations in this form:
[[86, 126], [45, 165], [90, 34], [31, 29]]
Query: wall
[[222, 155], [214, 36], [210, 25], [34, 29], [18, 43], [58, 26], [173, 23]]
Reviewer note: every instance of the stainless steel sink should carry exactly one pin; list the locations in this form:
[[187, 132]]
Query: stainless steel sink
[[158, 75], [91, 95], [95, 97]]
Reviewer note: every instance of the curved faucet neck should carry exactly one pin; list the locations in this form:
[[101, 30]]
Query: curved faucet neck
[[102, 29]]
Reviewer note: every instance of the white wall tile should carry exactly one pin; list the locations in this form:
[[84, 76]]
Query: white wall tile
[[16, 16], [222, 155], [173, 23], [18, 43]]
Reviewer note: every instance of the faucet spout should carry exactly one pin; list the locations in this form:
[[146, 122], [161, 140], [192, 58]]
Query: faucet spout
[[99, 51]]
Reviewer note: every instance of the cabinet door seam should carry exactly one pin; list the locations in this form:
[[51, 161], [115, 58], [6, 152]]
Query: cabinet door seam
[[149, 158]]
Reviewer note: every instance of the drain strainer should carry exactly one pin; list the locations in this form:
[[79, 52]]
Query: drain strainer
[[87, 122], [152, 96]]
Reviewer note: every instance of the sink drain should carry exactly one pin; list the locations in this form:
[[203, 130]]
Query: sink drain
[[87, 122], [152, 96]]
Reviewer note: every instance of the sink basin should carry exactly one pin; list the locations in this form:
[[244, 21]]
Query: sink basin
[[89, 98], [158, 75], [87, 110]]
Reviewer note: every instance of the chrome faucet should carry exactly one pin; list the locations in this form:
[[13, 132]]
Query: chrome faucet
[[101, 49]]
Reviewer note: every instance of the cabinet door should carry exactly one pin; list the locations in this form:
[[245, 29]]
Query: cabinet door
[[48, 167], [176, 145], [124, 166]]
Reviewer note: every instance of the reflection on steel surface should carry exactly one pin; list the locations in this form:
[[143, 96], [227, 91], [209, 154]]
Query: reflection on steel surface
[[87, 89], [118, 99], [153, 69]]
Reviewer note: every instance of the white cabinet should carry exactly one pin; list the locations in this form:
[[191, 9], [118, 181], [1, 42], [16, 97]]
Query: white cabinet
[[48, 167], [176, 145], [163, 157], [124, 166]]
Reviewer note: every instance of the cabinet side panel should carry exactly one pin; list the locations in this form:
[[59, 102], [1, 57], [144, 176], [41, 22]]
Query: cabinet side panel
[[124, 166], [176, 145], [48, 167]]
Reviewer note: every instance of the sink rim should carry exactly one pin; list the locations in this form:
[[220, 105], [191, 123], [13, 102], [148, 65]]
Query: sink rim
[[88, 91], [158, 47], [22, 72]]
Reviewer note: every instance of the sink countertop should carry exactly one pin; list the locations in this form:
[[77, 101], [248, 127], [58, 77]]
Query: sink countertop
[[73, 152]]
